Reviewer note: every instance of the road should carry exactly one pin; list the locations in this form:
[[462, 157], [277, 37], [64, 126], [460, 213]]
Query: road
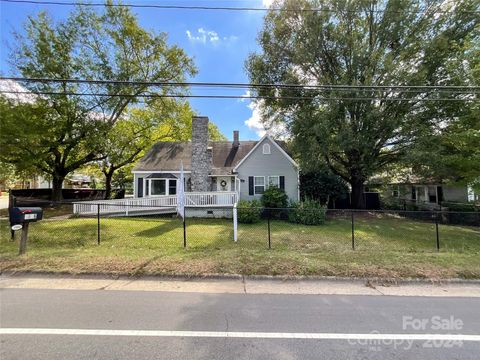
[[103, 324]]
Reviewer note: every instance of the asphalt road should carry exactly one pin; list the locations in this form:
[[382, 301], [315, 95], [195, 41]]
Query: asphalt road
[[232, 326]]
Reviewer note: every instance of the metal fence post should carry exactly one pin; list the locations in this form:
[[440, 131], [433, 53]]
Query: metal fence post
[[353, 230], [268, 227], [436, 231], [98, 224], [184, 229]]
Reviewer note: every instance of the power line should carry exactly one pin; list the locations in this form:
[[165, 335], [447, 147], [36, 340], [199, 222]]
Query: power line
[[152, 96], [323, 87], [214, 8]]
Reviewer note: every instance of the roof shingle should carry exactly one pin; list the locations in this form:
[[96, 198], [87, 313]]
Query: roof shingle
[[167, 156]]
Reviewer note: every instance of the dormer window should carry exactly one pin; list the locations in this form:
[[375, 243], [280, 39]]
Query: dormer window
[[266, 149]]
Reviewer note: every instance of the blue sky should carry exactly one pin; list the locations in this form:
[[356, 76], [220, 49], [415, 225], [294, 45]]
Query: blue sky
[[219, 42]]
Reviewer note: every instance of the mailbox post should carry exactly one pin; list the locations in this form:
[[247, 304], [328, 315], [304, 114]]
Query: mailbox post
[[20, 218]]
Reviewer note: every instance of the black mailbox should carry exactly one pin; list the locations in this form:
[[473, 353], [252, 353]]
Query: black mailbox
[[20, 215]]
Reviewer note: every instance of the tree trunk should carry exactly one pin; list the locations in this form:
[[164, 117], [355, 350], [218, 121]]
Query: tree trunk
[[57, 182], [108, 183], [357, 197]]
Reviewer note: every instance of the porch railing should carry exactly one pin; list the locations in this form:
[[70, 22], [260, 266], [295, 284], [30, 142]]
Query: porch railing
[[149, 204], [202, 199]]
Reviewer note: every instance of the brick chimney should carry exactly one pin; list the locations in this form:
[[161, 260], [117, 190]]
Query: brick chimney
[[201, 155], [236, 141]]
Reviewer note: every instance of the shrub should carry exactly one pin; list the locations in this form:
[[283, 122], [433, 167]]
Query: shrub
[[462, 207], [308, 212], [249, 211], [322, 186], [274, 197]]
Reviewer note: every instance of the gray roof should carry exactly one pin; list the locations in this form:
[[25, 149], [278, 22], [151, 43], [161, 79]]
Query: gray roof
[[167, 156]]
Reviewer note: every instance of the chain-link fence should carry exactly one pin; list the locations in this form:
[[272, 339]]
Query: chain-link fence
[[150, 228]]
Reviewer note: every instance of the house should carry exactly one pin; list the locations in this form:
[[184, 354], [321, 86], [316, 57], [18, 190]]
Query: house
[[429, 195], [243, 169]]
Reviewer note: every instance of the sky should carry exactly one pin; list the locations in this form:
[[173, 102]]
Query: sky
[[218, 41]]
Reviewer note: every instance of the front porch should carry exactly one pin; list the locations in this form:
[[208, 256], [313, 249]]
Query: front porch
[[160, 204]]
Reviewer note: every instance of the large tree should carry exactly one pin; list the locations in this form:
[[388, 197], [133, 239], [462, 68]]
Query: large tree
[[72, 129], [362, 43], [451, 153]]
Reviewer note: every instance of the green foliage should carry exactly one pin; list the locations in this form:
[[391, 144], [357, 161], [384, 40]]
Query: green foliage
[[308, 212], [249, 212], [10, 175], [390, 203], [322, 186], [274, 197], [57, 134], [360, 132], [461, 207], [451, 154]]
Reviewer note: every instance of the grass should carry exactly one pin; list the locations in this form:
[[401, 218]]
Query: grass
[[385, 247]]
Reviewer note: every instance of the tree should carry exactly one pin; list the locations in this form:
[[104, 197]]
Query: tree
[[322, 186], [10, 175], [69, 130], [451, 153], [356, 133], [132, 136]]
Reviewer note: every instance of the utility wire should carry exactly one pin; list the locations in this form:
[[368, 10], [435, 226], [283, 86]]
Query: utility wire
[[51, 93], [323, 87], [215, 8]]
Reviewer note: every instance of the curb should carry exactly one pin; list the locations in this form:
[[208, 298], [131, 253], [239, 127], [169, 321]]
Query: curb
[[280, 278]]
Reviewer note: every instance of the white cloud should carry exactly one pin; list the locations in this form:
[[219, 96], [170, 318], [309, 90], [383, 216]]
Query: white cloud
[[255, 121], [204, 36], [270, 3], [16, 92]]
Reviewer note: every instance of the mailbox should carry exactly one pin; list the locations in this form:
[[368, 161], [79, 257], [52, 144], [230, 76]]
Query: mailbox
[[20, 215]]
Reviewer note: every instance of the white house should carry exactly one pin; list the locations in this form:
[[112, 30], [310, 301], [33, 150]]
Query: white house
[[217, 173]]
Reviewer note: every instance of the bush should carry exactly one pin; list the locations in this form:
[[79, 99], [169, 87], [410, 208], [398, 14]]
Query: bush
[[308, 212], [249, 211], [462, 207], [274, 197], [322, 186]]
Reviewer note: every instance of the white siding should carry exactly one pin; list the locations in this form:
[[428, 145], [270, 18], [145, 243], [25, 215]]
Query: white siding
[[275, 163]]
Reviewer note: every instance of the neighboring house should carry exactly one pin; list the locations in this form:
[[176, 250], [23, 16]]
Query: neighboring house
[[77, 181], [243, 169], [428, 194], [31, 182]]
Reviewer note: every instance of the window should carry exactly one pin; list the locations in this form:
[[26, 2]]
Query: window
[[266, 149], [396, 192], [259, 185], [158, 187], [274, 181], [172, 187]]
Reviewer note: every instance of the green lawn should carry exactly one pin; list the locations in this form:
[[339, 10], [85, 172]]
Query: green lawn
[[385, 247]]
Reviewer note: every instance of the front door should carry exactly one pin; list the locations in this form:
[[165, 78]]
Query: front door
[[223, 183]]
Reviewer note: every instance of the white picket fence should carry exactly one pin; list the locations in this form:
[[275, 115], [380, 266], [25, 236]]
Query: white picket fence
[[160, 204]]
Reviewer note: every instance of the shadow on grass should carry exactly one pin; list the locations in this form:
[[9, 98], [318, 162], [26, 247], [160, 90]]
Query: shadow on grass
[[155, 231]]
